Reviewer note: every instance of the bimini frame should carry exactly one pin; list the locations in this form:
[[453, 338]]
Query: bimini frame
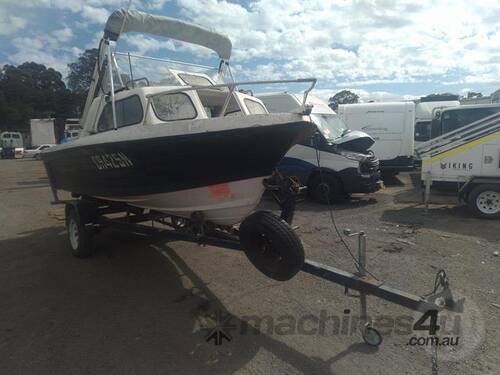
[[123, 21]]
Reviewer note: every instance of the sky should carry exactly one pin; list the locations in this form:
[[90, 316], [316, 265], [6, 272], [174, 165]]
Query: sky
[[380, 49]]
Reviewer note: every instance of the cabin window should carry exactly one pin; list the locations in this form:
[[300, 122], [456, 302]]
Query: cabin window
[[128, 112], [452, 120], [170, 107], [255, 108], [194, 80], [15, 136], [6, 136]]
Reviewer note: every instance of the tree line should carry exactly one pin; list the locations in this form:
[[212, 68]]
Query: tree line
[[31, 90]]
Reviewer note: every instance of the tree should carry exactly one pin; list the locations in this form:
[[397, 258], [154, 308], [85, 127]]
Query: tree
[[342, 97], [80, 75], [32, 90], [80, 72]]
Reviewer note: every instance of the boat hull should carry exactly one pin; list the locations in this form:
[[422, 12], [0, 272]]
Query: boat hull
[[223, 204], [179, 174]]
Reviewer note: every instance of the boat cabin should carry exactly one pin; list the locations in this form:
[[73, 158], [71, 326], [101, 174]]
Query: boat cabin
[[150, 105], [129, 89]]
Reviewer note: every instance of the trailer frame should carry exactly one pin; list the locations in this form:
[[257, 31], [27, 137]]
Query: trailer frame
[[285, 194]]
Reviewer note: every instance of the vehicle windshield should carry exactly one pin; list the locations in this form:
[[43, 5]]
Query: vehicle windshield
[[329, 124], [139, 71], [423, 131]]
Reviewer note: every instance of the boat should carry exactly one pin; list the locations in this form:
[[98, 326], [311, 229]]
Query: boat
[[180, 141]]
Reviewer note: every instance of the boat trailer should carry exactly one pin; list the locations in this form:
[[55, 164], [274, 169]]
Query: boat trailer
[[285, 192]]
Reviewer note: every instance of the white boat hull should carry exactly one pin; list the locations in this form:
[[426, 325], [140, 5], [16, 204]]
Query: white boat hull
[[223, 204]]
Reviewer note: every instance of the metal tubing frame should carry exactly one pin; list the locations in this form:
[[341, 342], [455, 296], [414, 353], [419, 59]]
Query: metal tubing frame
[[359, 282], [369, 286], [243, 83], [112, 85], [165, 60]]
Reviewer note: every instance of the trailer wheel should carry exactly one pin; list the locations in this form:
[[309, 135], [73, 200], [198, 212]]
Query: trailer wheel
[[79, 236], [371, 336], [325, 190], [484, 201], [271, 245]]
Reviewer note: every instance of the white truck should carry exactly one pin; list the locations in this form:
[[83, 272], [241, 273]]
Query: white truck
[[42, 131], [424, 113], [449, 119], [391, 125], [11, 145], [342, 154], [467, 155], [72, 130]]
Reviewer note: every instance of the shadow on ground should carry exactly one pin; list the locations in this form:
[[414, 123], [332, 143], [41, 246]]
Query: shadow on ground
[[392, 180], [135, 307]]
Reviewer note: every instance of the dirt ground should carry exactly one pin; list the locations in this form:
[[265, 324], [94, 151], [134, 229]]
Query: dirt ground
[[139, 307]]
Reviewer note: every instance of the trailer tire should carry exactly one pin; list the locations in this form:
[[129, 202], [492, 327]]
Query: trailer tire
[[271, 245], [325, 188], [484, 201], [80, 237]]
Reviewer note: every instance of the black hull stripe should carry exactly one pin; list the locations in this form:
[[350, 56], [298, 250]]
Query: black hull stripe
[[172, 163]]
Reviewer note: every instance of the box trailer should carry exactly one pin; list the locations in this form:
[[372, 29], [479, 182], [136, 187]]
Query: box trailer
[[42, 131]]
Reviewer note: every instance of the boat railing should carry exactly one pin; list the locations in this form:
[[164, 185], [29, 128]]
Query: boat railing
[[131, 56], [232, 86]]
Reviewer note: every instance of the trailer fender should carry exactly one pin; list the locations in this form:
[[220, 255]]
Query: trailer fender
[[463, 193]]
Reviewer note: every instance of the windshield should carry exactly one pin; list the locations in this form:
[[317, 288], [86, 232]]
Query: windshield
[[423, 131], [194, 80], [147, 71], [329, 124]]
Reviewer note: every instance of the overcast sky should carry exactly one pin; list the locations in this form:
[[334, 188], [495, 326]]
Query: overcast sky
[[382, 49]]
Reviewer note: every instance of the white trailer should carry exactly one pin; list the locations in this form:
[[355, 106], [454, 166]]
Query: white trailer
[[391, 125], [42, 131], [470, 157]]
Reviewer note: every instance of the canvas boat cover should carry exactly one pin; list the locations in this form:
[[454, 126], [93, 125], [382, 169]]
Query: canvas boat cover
[[124, 21]]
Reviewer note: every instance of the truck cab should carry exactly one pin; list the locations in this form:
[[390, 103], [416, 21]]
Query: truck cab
[[336, 161], [424, 113], [11, 145], [454, 118]]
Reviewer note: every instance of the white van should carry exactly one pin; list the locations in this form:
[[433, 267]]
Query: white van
[[11, 145], [391, 125], [346, 164]]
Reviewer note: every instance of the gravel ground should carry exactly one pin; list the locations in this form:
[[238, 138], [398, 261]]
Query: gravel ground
[[138, 307]]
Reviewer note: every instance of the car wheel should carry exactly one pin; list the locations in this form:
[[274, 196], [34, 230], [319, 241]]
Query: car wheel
[[325, 189]]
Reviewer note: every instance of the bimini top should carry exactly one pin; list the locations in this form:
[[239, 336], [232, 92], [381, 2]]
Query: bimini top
[[123, 21]]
